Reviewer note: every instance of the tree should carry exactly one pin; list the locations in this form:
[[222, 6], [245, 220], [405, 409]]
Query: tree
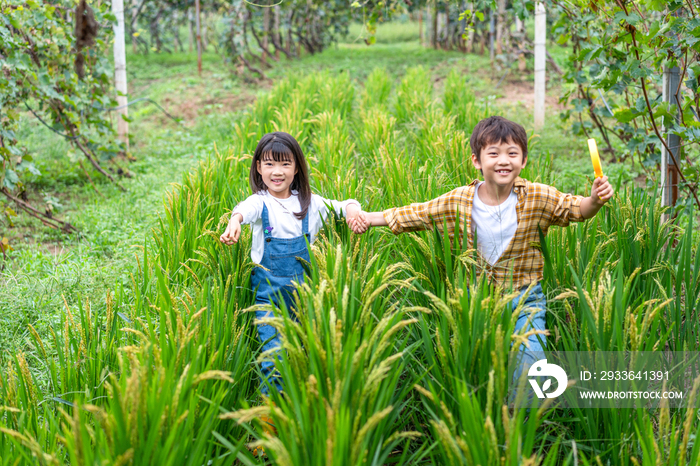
[[61, 75]]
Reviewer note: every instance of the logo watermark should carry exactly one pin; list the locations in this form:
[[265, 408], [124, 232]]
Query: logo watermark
[[600, 379], [542, 368]]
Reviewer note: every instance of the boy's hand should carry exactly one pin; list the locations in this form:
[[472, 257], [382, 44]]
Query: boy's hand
[[233, 231], [358, 223], [602, 191], [355, 218]]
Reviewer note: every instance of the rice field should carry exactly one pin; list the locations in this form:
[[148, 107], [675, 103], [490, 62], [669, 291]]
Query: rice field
[[399, 352]]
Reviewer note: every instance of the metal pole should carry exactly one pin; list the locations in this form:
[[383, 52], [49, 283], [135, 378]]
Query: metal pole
[[199, 38], [120, 72], [540, 63], [669, 171]]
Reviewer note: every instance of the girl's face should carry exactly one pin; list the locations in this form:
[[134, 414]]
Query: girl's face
[[277, 176]]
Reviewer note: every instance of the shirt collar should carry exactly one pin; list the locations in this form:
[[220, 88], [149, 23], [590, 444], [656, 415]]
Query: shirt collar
[[519, 183]]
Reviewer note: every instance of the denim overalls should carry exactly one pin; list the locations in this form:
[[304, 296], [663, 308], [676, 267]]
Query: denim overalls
[[281, 256]]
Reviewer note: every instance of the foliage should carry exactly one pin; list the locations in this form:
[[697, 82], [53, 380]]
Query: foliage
[[58, 77], [620, 51]]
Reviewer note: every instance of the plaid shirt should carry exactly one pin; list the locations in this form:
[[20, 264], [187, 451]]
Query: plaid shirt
[[522, 262]]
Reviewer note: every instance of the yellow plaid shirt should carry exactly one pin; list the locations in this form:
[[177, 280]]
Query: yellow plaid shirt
[[522, 262]]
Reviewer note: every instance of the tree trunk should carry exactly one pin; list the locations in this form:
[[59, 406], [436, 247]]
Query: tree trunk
[[290, 26], [205, 41], [276, 33], [500, 25], [492, 34], [199, 37], [265, 33], [540, 63], [435, 24], [447, 26], [420, 25], [155, 33], [176, 30], [134, 28], [470, 39], [190, 24]]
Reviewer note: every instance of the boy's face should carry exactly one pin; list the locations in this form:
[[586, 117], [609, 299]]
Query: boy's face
[[500, 163]]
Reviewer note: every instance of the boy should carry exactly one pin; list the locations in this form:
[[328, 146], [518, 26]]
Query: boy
[[503, 212]]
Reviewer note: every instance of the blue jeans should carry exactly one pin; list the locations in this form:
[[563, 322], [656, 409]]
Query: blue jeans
[[532, 317]]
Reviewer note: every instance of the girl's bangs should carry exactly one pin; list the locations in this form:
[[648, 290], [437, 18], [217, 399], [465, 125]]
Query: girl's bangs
[[278, 152]]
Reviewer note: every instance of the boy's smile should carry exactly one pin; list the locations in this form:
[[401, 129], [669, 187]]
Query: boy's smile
[[500, 164], [278, 176]]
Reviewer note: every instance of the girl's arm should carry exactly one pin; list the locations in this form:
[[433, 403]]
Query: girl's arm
[[349, 207], [245, 212], [233, 230]]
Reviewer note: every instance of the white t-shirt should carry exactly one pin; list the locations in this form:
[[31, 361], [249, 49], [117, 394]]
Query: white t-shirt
[[281, 217], [494, 225]]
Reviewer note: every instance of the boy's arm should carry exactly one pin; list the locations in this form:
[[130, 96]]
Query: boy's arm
[[375, 219], [564, 208], [418, 216], [422, 216], [601, 192]]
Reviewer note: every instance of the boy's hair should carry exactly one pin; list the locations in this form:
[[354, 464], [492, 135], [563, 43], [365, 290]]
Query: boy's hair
[[497, 130], [280, 146]]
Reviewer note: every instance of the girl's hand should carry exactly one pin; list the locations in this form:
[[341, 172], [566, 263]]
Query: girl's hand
[[233, 231], [358, 224], [602, 191]]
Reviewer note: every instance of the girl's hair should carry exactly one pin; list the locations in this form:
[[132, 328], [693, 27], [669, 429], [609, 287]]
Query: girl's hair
[[279, 146]]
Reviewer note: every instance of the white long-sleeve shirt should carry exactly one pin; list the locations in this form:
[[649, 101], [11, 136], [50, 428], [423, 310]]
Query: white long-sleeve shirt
[[282, 219]]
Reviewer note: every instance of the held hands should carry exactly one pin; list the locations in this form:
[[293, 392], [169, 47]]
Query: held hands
[[602, 191], [356, 219], [233, 231], [359, 223]]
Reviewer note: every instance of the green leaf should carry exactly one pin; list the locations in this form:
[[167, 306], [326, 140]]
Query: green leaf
[[11, 179], [625, 115]]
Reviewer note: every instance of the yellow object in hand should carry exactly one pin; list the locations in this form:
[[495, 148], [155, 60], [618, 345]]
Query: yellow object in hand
[[595, 158]]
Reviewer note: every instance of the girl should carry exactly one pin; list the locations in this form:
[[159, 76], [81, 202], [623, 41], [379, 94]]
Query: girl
[[286, 217]]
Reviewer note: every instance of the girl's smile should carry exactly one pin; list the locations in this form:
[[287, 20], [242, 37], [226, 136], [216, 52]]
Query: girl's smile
[[278, 176]]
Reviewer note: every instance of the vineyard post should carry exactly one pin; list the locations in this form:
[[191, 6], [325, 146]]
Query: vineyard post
[[120, 72], [669, 170], [540, 63], [199, 38]]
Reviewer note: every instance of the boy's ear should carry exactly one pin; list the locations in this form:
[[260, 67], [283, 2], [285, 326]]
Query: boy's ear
[[476, 162], [524, 161]]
